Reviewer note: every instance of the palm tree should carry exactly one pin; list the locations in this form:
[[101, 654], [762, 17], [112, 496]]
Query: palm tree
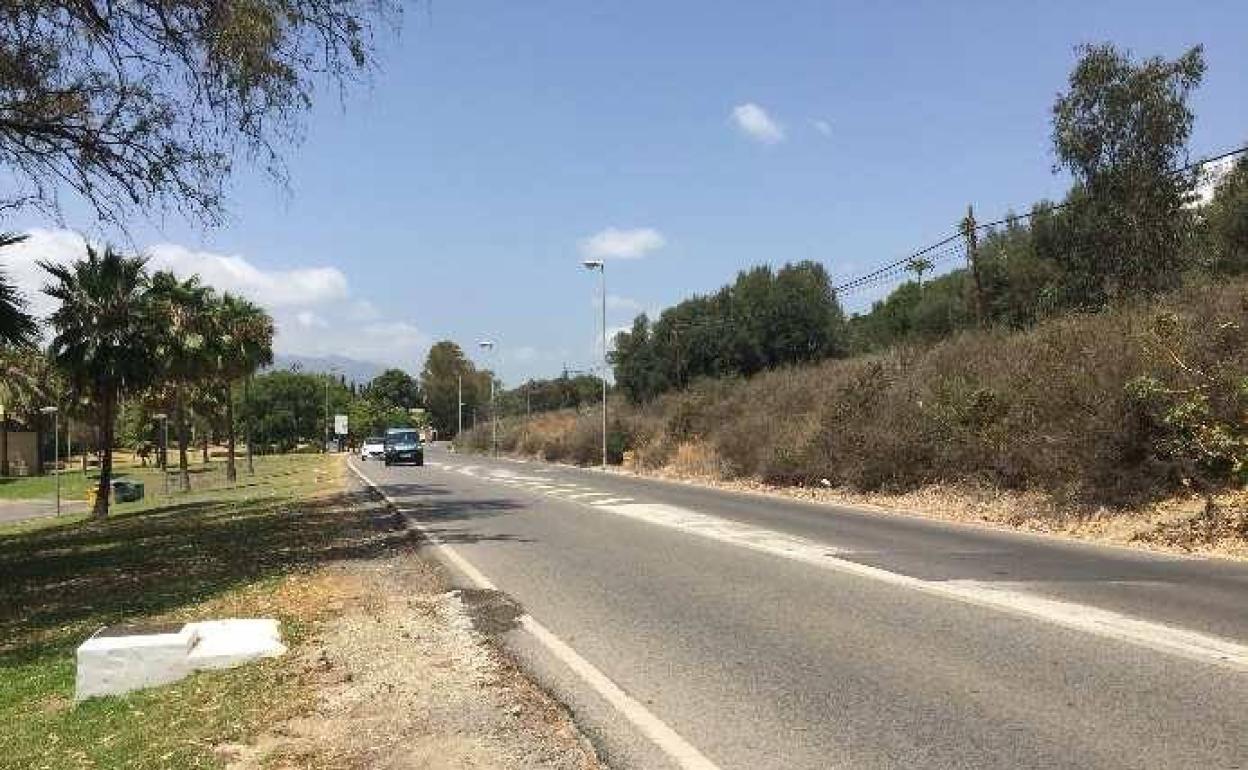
[[919, 266], [103, 342], [23, 376], [244, 344], [17, 329], [181, 325]]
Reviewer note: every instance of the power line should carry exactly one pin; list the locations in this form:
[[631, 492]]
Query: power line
[[878, 274]]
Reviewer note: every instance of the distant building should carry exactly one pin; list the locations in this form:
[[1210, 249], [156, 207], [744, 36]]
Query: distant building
[[1209, 176]]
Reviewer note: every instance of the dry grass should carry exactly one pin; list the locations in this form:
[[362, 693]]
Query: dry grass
[[1046, 424]]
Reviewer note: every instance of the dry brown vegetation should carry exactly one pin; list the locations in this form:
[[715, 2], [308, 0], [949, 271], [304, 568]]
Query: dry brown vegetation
[[1058, 410]]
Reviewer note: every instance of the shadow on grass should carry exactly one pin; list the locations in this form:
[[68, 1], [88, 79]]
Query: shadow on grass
[[61, 583]]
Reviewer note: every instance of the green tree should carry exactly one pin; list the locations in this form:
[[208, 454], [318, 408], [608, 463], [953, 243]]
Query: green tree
[[367, 417], [25, 385], [764, 319], [439, 381], [287, 407], [395, 387], [1121, 130], [103, 339], [1226, 220], [919, 266], [243, 344], [146, 104], [182, 327]]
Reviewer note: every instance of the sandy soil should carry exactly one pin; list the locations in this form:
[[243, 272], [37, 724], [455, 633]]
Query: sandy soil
[[403, 674]]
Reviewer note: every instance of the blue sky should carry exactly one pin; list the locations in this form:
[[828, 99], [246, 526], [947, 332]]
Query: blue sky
[[455, 195]]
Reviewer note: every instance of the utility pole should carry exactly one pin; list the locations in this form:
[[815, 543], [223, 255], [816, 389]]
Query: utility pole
[[459, 412], [972, 247]]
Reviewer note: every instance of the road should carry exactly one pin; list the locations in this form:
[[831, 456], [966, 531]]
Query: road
[[688, 627]]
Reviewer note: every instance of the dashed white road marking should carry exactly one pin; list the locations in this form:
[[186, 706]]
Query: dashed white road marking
[[670, 742], [1184, 643]]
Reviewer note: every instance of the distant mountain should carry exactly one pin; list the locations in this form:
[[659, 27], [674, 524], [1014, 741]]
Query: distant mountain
[[355, 370]]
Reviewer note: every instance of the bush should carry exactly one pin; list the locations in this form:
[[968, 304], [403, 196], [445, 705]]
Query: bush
[[1116, 407]]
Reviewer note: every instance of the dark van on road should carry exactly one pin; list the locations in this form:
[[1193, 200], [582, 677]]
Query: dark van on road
[[403, 445]]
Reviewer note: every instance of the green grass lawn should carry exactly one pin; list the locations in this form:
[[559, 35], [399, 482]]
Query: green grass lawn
[[213, 552], [74, 482]]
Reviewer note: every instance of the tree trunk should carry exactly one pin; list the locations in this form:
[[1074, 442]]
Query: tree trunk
[[4, 445], [104, 490], [251, 466], [207, 436], [231, 473], [184, 473]]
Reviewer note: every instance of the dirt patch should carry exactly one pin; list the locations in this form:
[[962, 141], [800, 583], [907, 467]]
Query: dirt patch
[[402, 675]]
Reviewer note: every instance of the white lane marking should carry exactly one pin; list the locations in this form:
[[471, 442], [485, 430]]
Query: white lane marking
[[1184, 643], [1192, 645], [683, 753], [611, 501]]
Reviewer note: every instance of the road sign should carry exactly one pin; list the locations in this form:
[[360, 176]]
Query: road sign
[[340, 425]]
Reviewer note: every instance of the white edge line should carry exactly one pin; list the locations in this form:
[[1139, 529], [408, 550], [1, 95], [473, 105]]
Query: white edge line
[[683, 753], [1159, 637]]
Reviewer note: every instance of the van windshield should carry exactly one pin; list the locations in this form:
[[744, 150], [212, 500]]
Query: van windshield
[[404, 437]]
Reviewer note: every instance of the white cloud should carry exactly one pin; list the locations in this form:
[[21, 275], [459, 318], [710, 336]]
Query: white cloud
[[312, 307], [524, 354], [615, 302], [271, 288], [613, 243], [757, 124], [310, 320], [822, 126], [362, 310], [20, 263]]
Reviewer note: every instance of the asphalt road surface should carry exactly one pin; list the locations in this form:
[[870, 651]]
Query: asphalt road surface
[[688, 627]]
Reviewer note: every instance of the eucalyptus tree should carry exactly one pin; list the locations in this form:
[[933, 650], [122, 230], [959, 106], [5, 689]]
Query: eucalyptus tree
[[1121, 130], [103, 342], [243, 344], [181, 324], [148, 104]]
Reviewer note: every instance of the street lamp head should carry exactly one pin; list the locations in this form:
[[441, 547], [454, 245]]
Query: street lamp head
[[594, 264], [486, 344], [48, 410], [160, 416]]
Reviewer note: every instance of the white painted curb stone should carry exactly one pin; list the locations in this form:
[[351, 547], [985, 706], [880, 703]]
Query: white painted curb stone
[[113, 665]]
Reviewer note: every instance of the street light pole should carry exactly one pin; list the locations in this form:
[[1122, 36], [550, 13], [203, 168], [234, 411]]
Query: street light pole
[[488, 346], [601, 267], [459, 411], [56, 450]]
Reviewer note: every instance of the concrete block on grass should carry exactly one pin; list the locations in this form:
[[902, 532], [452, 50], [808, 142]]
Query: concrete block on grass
[[121, 659]]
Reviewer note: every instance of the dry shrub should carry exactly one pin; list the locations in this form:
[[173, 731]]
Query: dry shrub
[[696, 460], [1049, 409]]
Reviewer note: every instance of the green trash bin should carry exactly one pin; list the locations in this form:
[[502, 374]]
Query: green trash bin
[[127, 491]]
